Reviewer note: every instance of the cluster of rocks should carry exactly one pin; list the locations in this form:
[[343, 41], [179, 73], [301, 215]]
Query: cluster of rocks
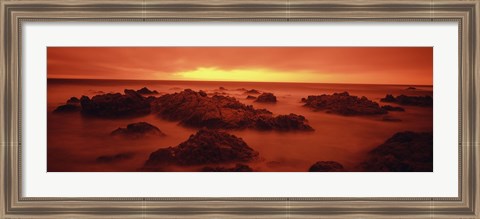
[[138, 130], [252, 91], [204, 147], [116, 105], [425, 101], [344, 104], [403, 152], [326, 166], [196, 109], [266, 98], [72, 105]]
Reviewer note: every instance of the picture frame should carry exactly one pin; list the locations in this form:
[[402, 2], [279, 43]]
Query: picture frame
[[15, 13]]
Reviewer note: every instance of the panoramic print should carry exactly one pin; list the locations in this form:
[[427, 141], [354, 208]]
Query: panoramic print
[[240, 109]]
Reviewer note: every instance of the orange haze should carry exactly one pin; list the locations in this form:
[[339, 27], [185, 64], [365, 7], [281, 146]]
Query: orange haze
[[360, 65]]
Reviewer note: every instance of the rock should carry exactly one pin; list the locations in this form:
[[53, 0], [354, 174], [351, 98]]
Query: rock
[[289, 122], [424, 101], [236, 168], [114, 158], [344, 104], [116, 105], [326, 166], [72, 105], [67, 108], [411, 88], [403, 152], [252, 91], [393, 108], [266, 98], [250, 97], [146, 91], [204, 147], [221, 112], [221, 88], [138, 130]]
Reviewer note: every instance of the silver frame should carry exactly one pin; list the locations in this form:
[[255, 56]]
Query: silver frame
[[14, 13]]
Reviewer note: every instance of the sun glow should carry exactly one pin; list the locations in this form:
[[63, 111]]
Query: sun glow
[[248, 75]]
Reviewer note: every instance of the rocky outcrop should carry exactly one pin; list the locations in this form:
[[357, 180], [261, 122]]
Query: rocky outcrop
[[266, 98], [72, 105], [146, 91], [393, 108], [411, 88], [204, 147], [250, 97], [196, 109], [115, 158], [403, 152], [326, 166], [252, 91], [236, 168], [116, 105], [138, 130], [344, 104], [424, 101]]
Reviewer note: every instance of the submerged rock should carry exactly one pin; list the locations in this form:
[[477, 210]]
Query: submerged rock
[[393, 108], [197, 110], [137, 130], [425, 101], [344, 104], [114, 158], [252, 91], [146, 91], [72, 105], [266, 98], [116, 105], [250, 97], [204, 147], [411, 88], [326, 166], [236, 168], [403, 152]]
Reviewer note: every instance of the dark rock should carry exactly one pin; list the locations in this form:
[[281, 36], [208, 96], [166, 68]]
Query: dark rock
[[411, 88], [250, 97], [393, 108], [74, 101], [146, 91], [137, 130], [289, 122], [266, 98], [114, 158], [425, 101], [116, 105], [222, 88], [326, 166], [196, 110], [236, 168], [67, 108], [344, 104], [403, 152], [252, 91], [303, 100], [204, 147], [72, 105]]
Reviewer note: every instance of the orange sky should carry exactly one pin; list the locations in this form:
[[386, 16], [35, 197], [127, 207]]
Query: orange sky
[[363, 65]]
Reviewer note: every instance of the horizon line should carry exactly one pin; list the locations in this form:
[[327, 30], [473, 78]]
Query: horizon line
[[293, 82]]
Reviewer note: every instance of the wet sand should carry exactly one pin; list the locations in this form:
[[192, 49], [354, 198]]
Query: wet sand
[[74, 142]]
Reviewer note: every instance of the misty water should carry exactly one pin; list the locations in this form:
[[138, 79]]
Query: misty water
[[74, 142]]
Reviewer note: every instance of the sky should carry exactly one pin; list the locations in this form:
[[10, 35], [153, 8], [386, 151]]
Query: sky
[[357, 65]]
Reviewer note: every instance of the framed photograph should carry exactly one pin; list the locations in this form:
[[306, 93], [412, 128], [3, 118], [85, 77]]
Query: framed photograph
[[239, 109]]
